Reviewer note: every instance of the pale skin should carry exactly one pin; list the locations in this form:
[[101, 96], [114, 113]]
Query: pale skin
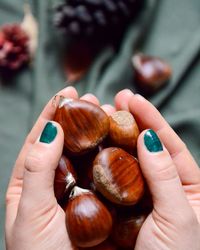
[[34, 220]]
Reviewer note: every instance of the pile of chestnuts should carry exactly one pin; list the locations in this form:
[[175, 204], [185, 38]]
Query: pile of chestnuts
[[98, 181]]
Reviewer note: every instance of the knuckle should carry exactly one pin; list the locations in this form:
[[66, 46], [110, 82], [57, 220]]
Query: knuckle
[[182, 150], [34, 161], [8, 198], [13, 191], [166, 171]]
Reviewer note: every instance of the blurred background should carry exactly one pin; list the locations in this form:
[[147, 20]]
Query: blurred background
[[102, 46]]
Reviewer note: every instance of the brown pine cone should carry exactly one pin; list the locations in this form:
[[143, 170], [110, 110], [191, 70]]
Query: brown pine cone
[[14, 52], [92, 19]]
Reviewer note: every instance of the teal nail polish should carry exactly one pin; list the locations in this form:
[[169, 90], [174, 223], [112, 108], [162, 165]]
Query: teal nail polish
[[49, 133], [152, 142]]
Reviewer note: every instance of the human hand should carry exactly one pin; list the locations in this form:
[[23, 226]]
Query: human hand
[[34, 220], [172, 176], [39, 222]]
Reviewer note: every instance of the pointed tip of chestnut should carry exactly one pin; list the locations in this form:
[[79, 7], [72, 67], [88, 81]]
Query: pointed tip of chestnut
[[63, 100], [77, 191], [88, 221], [59, 101], [151, 73]]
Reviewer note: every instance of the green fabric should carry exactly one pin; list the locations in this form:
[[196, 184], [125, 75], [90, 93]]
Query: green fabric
[[168, 29]]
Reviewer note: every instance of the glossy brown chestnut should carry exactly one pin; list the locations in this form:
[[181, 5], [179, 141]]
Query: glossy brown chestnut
[[88, 221], [65, 178], [151, 73], [117, 176], [123, 131], [85, 125], [125, 231], [106, 245]]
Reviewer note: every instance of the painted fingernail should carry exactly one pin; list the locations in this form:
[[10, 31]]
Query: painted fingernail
[[49, 133], [152, 142]]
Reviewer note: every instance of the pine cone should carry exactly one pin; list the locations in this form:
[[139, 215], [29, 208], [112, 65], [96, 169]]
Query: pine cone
[[95, 18], [14, 52]]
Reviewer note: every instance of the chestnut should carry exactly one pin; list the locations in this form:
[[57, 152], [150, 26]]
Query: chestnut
[[106, 245], [65, 178], [151, 73], [123, 131], [88, 221], [126, 229], [117, 176], [85, 125]]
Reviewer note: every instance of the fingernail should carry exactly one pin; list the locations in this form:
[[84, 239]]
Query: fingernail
[[152, 142], [49, 133]]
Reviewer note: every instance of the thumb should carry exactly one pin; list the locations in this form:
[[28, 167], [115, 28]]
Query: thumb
[[161, 175], [40, 164]]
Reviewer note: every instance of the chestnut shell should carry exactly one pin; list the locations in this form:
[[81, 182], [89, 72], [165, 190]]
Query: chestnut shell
[[85, 125], [151, 73], [65, 178], [117, 176], [123, 131], [106, 245], [125, 231], [88, 221]]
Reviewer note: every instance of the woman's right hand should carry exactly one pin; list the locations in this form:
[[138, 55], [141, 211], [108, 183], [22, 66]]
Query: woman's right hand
[[34, 219], [173, 178]]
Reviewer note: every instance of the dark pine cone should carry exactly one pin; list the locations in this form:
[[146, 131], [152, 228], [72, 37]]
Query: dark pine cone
[[96, 18], [14, 52]]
